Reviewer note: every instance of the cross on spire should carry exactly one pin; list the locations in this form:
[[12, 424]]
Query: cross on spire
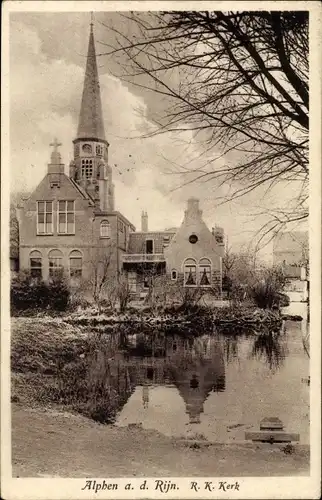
[[55, 145], [55, 154], [92, 21]]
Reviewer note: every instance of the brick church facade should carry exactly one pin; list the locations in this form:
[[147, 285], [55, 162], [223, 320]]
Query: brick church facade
[[69, 224]]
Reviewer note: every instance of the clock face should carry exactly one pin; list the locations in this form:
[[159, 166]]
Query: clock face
[[87, 148]]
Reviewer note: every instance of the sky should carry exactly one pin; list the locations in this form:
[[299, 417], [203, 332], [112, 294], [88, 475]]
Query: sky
[[47, 63]]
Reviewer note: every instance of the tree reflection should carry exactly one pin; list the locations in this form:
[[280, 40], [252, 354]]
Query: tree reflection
[[271, 347], [231, 347]]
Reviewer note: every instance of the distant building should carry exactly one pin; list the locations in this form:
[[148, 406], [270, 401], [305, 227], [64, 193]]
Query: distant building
[[69, 225], [291, 252], [291, 248]]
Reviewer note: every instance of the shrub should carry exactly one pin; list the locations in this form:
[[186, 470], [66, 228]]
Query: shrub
[[58, 291], [266, 290], [28, 293]]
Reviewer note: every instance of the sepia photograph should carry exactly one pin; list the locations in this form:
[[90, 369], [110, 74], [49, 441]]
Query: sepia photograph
[[159, 274]]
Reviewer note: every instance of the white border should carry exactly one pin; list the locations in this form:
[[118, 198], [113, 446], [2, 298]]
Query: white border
[[257, 487]]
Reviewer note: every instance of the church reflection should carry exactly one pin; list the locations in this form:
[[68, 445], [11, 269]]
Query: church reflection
[[194, 366], [157, 374]]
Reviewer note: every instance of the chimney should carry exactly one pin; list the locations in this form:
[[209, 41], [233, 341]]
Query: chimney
[[218, 233], [193, 210], [144, 222]]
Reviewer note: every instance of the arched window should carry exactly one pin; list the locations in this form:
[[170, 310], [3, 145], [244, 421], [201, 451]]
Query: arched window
[[35, 264], [105, 229], [75, 264], [190, 272], [204, 272], [55, 258]]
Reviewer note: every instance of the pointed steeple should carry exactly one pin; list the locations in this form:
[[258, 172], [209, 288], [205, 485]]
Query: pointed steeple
[[91, 125]]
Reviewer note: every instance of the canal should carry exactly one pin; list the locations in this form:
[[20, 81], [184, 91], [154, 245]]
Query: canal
[[212, 386]]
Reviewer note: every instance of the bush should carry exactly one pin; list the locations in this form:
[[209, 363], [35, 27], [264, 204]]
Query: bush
[[58, 291], [266, 291], [28, 293]]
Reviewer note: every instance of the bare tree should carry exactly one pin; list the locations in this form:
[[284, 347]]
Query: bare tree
[[228, 262], [100, 279], [123, 292], [239, 80]]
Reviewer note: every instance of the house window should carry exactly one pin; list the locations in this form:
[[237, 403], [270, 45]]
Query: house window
[[131, 278], [105, 229], [44, 217], [190, 272], [204, 272], [75, 264], [146, 283], [55, 264], [35, 264], [66, 217], [174, 275], [149, 246], [87, 169]]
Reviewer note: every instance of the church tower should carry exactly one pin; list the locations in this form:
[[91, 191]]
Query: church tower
[[90, 168]]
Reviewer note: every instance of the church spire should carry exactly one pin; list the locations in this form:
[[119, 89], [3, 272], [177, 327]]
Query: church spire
[[91, 125]]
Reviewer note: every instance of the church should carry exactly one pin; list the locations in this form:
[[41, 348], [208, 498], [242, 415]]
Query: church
[[69, 226]]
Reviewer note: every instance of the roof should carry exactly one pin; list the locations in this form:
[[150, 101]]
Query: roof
[[81, 190], [114, 213], [160, 239], [90, 124]]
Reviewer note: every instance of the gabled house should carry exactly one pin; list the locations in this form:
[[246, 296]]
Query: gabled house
[[190, 255]]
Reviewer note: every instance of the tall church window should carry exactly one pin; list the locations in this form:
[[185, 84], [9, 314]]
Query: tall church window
[[35, 264], [99, 150], [55, 258], [87, 169], [105, 229], [75, 264], [204, 272], [44, 217], [66, 217], [190, 272]]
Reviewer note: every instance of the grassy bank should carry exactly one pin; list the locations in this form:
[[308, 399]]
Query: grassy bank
[[194, 315], [54, 364]]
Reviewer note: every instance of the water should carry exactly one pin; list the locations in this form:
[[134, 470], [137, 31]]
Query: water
[[214, 386]]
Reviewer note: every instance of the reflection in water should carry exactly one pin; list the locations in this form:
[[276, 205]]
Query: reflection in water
[[206, 381], [271, 347]]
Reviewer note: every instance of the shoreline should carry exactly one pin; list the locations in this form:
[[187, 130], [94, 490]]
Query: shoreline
[[55, 443]]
